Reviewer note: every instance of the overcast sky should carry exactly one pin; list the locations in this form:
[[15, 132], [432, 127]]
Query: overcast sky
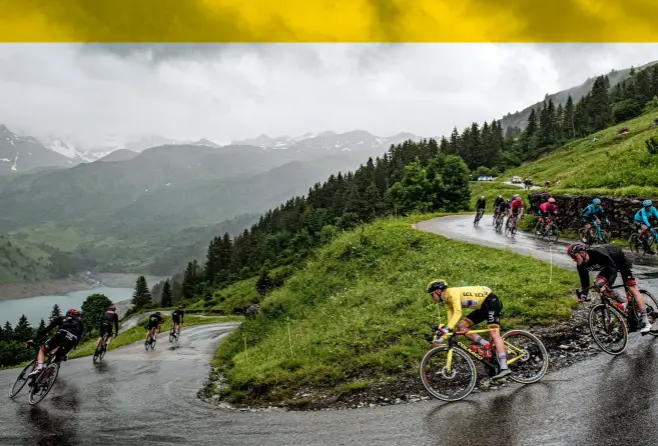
[[236, 91]]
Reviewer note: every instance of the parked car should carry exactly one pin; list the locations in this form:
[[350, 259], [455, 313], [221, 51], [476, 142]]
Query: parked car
[[516, 180], [485, 178]]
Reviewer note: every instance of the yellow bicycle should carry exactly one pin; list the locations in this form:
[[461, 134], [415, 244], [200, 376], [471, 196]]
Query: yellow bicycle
[[449, 374]]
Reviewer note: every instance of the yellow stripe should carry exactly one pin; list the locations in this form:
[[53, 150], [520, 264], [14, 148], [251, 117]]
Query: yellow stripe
[[328, 21]]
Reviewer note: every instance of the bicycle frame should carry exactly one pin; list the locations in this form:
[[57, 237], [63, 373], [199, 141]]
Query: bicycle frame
[[452, 342]]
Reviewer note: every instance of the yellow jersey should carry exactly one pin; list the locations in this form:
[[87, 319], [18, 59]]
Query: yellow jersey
[[466, 297]]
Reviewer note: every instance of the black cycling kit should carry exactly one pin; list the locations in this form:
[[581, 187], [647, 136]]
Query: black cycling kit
[[154, 321], [609, 260], [481, 204], [107, 319], [177, 316], [68, 334]]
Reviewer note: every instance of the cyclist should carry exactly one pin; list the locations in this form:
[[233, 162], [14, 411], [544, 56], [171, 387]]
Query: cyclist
[[545, 210], [515, 207], [178, 317], [107, 319], [642, 221], [155, 321], [609, 260], [486, 306], [69, 332], [480, 205], [501, 209], [593, 213]]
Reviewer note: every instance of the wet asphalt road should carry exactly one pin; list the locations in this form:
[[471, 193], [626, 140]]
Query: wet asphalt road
[[138, 397]]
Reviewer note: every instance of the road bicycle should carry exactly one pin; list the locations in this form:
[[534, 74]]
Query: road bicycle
[[510, 226], [150, 343], [499, 222], [595, 235], [634, 242], [40, 384], [609, 321], [101, 348], [478, 217], [547, 230], [173, 335], [452, 365]]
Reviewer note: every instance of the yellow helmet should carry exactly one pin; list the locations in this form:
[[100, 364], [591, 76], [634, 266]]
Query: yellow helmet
[[437, 284]]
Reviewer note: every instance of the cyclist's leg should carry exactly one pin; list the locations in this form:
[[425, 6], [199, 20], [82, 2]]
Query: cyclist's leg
[[473, 318], [493, 307]]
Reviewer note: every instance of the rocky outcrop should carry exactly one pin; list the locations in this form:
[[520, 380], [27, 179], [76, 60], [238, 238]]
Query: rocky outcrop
[[620, 210]]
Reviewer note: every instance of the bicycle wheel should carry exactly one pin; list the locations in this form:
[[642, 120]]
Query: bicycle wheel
[[539, 234], [634, 243], [553, 233], [581, 234], [652, 307], [435, 376], [608, 328], [43, 383], [171, 336], [605, 236], [527, 357], [22, 379], [147, 345]]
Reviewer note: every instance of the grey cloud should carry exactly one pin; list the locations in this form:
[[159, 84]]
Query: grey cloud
[[227, 92]]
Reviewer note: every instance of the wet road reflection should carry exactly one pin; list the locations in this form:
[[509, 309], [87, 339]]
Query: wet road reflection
[[135, 397]]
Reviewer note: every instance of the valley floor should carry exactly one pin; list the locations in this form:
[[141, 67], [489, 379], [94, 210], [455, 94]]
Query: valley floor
[[78, 282]]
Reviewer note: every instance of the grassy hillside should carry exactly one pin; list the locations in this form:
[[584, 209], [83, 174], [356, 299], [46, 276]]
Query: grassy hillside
[[615, 165], [21, 261], [359, 312]]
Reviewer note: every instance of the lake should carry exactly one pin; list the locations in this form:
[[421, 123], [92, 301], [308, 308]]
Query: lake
[[39, 307]]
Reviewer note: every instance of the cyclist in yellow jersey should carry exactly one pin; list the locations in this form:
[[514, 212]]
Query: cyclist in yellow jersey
[[486, 306]]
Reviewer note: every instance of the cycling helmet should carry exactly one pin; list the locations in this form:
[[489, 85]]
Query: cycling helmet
[[72, 312], [514, 196], [157, 313], [551, 200], [113, 308], [646, 203], [596, 201], [518, 198], [481, 197], [180, 306], [575, 248], [436, 285], [500, 196]]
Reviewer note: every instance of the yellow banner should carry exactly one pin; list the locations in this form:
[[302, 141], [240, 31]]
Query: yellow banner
[[328, 21]]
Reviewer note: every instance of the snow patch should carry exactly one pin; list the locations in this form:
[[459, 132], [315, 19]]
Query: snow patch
[[15, 163]]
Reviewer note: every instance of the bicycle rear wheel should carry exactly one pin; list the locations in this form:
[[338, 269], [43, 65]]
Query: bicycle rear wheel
[[652, 307], [527, 357], [608, 328], [171, 336], [539, 234], [147, 345], [448, 385], [22, 379], [43, 383]]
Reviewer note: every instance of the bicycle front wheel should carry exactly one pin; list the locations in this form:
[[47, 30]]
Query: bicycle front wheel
[[553, 234], [634, 243], [527, 357], [445, 384], [43, 383], [22, 379], [608, 329]]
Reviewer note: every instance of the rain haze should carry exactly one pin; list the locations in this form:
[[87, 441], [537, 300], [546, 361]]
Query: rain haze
[[226, 92]]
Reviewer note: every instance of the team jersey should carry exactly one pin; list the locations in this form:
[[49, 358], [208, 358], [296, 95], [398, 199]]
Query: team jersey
[[547, 208], [109, 318], [466, 297], [481, 204], [642, 216], [516, 205], [498, 202], [591, 210], [604, 256], [177, 314], [154, 319]]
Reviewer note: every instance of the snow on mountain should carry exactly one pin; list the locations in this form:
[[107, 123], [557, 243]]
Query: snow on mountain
[[22, 153], [329, 141]]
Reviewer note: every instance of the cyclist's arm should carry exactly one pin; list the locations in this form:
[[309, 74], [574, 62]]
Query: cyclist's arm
[[454, 308], [645, 219], [584, 279], [116, 324]]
